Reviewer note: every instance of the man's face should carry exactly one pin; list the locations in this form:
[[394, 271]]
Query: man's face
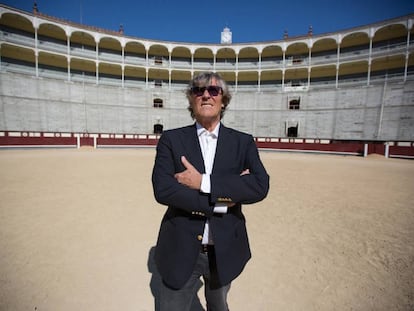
[[207, 102]]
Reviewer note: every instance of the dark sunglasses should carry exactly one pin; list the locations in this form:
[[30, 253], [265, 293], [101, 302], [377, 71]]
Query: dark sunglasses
[[213, 90]]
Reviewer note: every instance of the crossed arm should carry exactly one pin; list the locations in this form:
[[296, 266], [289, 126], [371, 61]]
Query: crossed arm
[[192, 178], [177, 182]]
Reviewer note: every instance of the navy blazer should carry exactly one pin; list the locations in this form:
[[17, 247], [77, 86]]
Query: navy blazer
[[181, 230]]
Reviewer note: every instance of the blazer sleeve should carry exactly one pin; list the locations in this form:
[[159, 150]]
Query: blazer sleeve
[[230, 186], [167, 190]]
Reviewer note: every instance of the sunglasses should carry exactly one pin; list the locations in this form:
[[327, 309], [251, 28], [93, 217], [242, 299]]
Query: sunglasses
[[213, 90]]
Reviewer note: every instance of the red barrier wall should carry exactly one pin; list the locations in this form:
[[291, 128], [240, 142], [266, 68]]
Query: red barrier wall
[[75, 140]]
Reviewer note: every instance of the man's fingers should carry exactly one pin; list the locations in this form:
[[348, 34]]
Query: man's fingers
[[245, 172], [185, 162]]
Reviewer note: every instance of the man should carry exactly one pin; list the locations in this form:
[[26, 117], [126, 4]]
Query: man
[[204, 173]]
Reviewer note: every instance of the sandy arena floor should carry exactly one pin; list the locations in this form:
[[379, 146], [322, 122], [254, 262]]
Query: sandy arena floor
[[77, 228]]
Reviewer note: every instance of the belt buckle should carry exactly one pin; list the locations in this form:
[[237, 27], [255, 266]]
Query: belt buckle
[[204, 248]]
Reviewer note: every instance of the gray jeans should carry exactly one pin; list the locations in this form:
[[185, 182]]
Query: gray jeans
[[185, 298]]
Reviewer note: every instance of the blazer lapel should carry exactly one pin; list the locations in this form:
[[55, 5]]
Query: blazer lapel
[[192, 148], [224, 148]]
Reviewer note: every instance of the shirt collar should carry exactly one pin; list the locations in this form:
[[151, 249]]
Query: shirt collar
[[201, 130]]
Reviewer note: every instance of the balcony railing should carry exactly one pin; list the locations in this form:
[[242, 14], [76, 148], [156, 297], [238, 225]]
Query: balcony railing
[[61, 74], [88, 52]]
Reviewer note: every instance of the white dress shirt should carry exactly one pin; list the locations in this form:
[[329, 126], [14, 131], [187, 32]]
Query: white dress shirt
[[208, 144]]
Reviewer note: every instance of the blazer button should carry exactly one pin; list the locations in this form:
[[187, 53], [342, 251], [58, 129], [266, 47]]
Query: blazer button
[[199, 237]]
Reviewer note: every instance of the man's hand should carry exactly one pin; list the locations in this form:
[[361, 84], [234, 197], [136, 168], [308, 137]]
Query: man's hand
[[190, 177], [245, 172]]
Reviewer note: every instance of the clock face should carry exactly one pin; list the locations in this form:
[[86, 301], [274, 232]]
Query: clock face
[[226, 37]]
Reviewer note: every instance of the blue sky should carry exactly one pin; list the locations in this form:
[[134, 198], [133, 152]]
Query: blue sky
[[203, 21]]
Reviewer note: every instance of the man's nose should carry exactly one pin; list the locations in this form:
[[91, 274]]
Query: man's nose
[[206, 93]]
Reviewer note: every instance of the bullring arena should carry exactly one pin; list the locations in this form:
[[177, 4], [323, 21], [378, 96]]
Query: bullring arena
[[81, 112]]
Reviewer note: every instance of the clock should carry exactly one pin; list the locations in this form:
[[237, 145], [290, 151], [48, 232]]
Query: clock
[[226, 36]]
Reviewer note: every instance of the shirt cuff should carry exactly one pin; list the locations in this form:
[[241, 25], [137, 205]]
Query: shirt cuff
[[206, 188], [205, 183], [220, 208]]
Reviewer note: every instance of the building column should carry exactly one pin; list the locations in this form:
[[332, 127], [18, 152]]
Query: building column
[[214, 61], [338, 53], [407, 56], [369, 61], [123, 75], [97, 62], [309, 66], [68, 59], [169, 77], [236, 82], [68, 55], [36, 54], [97, 72], [123, 63]]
